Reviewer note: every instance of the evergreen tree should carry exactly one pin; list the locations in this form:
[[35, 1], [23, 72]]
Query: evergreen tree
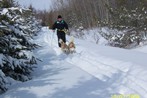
[[130, 17], [7, 3], [17, 28]]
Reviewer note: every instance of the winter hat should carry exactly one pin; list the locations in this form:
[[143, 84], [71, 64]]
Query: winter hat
[[59, 16]]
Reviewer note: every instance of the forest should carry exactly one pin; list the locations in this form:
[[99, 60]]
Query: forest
[[126, 16]]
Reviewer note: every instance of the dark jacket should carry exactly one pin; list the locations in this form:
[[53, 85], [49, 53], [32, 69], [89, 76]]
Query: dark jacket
[[60, 25]]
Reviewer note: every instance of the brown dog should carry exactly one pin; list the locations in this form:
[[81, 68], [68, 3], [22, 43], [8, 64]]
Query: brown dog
[[64, 46], [71, 46]]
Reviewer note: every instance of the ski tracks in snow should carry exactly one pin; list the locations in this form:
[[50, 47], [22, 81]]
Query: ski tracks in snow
[[121, 76]]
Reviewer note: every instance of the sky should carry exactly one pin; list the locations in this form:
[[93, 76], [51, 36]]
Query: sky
[[37, 4]]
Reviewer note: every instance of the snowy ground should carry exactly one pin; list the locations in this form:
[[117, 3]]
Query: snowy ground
[[93, 72]]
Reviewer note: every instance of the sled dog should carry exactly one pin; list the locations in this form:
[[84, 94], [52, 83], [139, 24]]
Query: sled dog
[[70, 48], [64, 46]]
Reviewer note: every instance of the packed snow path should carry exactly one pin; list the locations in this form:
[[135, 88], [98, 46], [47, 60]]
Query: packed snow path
[[92, 72]]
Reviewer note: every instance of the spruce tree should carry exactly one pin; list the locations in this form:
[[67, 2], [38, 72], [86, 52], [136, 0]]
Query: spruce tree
[[17, 28]]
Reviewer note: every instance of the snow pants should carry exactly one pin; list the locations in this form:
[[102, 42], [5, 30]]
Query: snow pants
[[61, 35]]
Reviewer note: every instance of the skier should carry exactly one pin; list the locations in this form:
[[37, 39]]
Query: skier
[[62, 28]]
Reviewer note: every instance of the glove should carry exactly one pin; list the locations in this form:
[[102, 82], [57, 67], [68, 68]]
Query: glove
[[66, 31]]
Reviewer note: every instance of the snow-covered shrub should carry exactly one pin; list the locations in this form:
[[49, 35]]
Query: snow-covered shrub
[[122, 39], [17, 28], [132, 21]]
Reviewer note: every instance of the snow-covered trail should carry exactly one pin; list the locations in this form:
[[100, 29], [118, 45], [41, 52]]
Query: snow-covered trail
[[93, 72]]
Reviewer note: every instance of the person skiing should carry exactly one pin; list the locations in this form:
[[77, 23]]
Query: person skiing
[[62, 28]]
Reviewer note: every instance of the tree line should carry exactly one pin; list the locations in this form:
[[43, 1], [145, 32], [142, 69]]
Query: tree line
[[93, 13], [128, 16]]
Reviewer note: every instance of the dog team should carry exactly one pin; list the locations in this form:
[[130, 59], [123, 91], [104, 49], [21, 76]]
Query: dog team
[[61, 26]]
